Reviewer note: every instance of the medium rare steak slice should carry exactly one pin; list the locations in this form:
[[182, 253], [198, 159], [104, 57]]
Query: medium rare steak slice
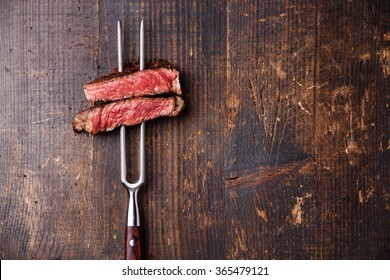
[[157, 79], [126, 112], [132, 67]]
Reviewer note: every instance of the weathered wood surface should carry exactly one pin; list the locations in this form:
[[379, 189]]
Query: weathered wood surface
[[283, 151]]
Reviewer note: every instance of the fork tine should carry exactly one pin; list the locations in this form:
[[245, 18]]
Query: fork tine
[[141, 178]]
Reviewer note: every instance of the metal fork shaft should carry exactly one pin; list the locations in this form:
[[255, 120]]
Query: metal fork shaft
[[141, 178], [133, 219], [133, 233]]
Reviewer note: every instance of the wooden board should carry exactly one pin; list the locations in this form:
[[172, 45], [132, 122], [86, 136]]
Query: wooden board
[[282, 152]]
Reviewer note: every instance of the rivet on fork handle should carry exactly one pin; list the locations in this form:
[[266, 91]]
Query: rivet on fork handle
[[133, 243]]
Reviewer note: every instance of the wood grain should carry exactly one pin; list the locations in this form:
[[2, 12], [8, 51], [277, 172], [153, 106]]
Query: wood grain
[[282, 152], [270, 129]]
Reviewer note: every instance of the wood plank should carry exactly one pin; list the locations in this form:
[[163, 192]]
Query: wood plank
[[47, 52], [351, 129], [271, 64], [321, 101]]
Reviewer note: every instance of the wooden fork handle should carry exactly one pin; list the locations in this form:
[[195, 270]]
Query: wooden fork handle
[[133, 243]]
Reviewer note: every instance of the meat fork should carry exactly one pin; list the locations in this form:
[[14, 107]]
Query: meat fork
[[133, 234]]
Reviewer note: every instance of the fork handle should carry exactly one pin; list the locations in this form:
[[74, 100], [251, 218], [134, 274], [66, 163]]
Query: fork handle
[[133, 243]]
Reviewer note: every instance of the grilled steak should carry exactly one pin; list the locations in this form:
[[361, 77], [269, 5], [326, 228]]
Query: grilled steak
[[158, 78], [132, 111]]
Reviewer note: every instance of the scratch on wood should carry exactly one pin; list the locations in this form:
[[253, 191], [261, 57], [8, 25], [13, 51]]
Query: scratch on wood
[[298, 83], [261, 214], [350, 113], [233, 104], [91, 151], [363, 106], [385, 197], [352, 148], [386, 36], [273, 18], [303, 108], [384, 60], [280, 73], [297, 212], [369, 193], [241, 244], [277, 119], [48, 119], [252, 91], [281, 138], [56, 159], [317, 86], [365, 57], [360, 196], [264, 174], [262, 102], [47, 160]]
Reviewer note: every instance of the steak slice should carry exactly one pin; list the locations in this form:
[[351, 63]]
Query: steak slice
[[159, 78], [132, 67], [128, 112]]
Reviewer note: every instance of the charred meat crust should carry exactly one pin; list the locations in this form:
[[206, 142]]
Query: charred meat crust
[[132, 67], [179, 106], [82, 122]]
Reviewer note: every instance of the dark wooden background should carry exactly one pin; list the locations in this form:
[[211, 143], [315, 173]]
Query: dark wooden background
[[282, 152]]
